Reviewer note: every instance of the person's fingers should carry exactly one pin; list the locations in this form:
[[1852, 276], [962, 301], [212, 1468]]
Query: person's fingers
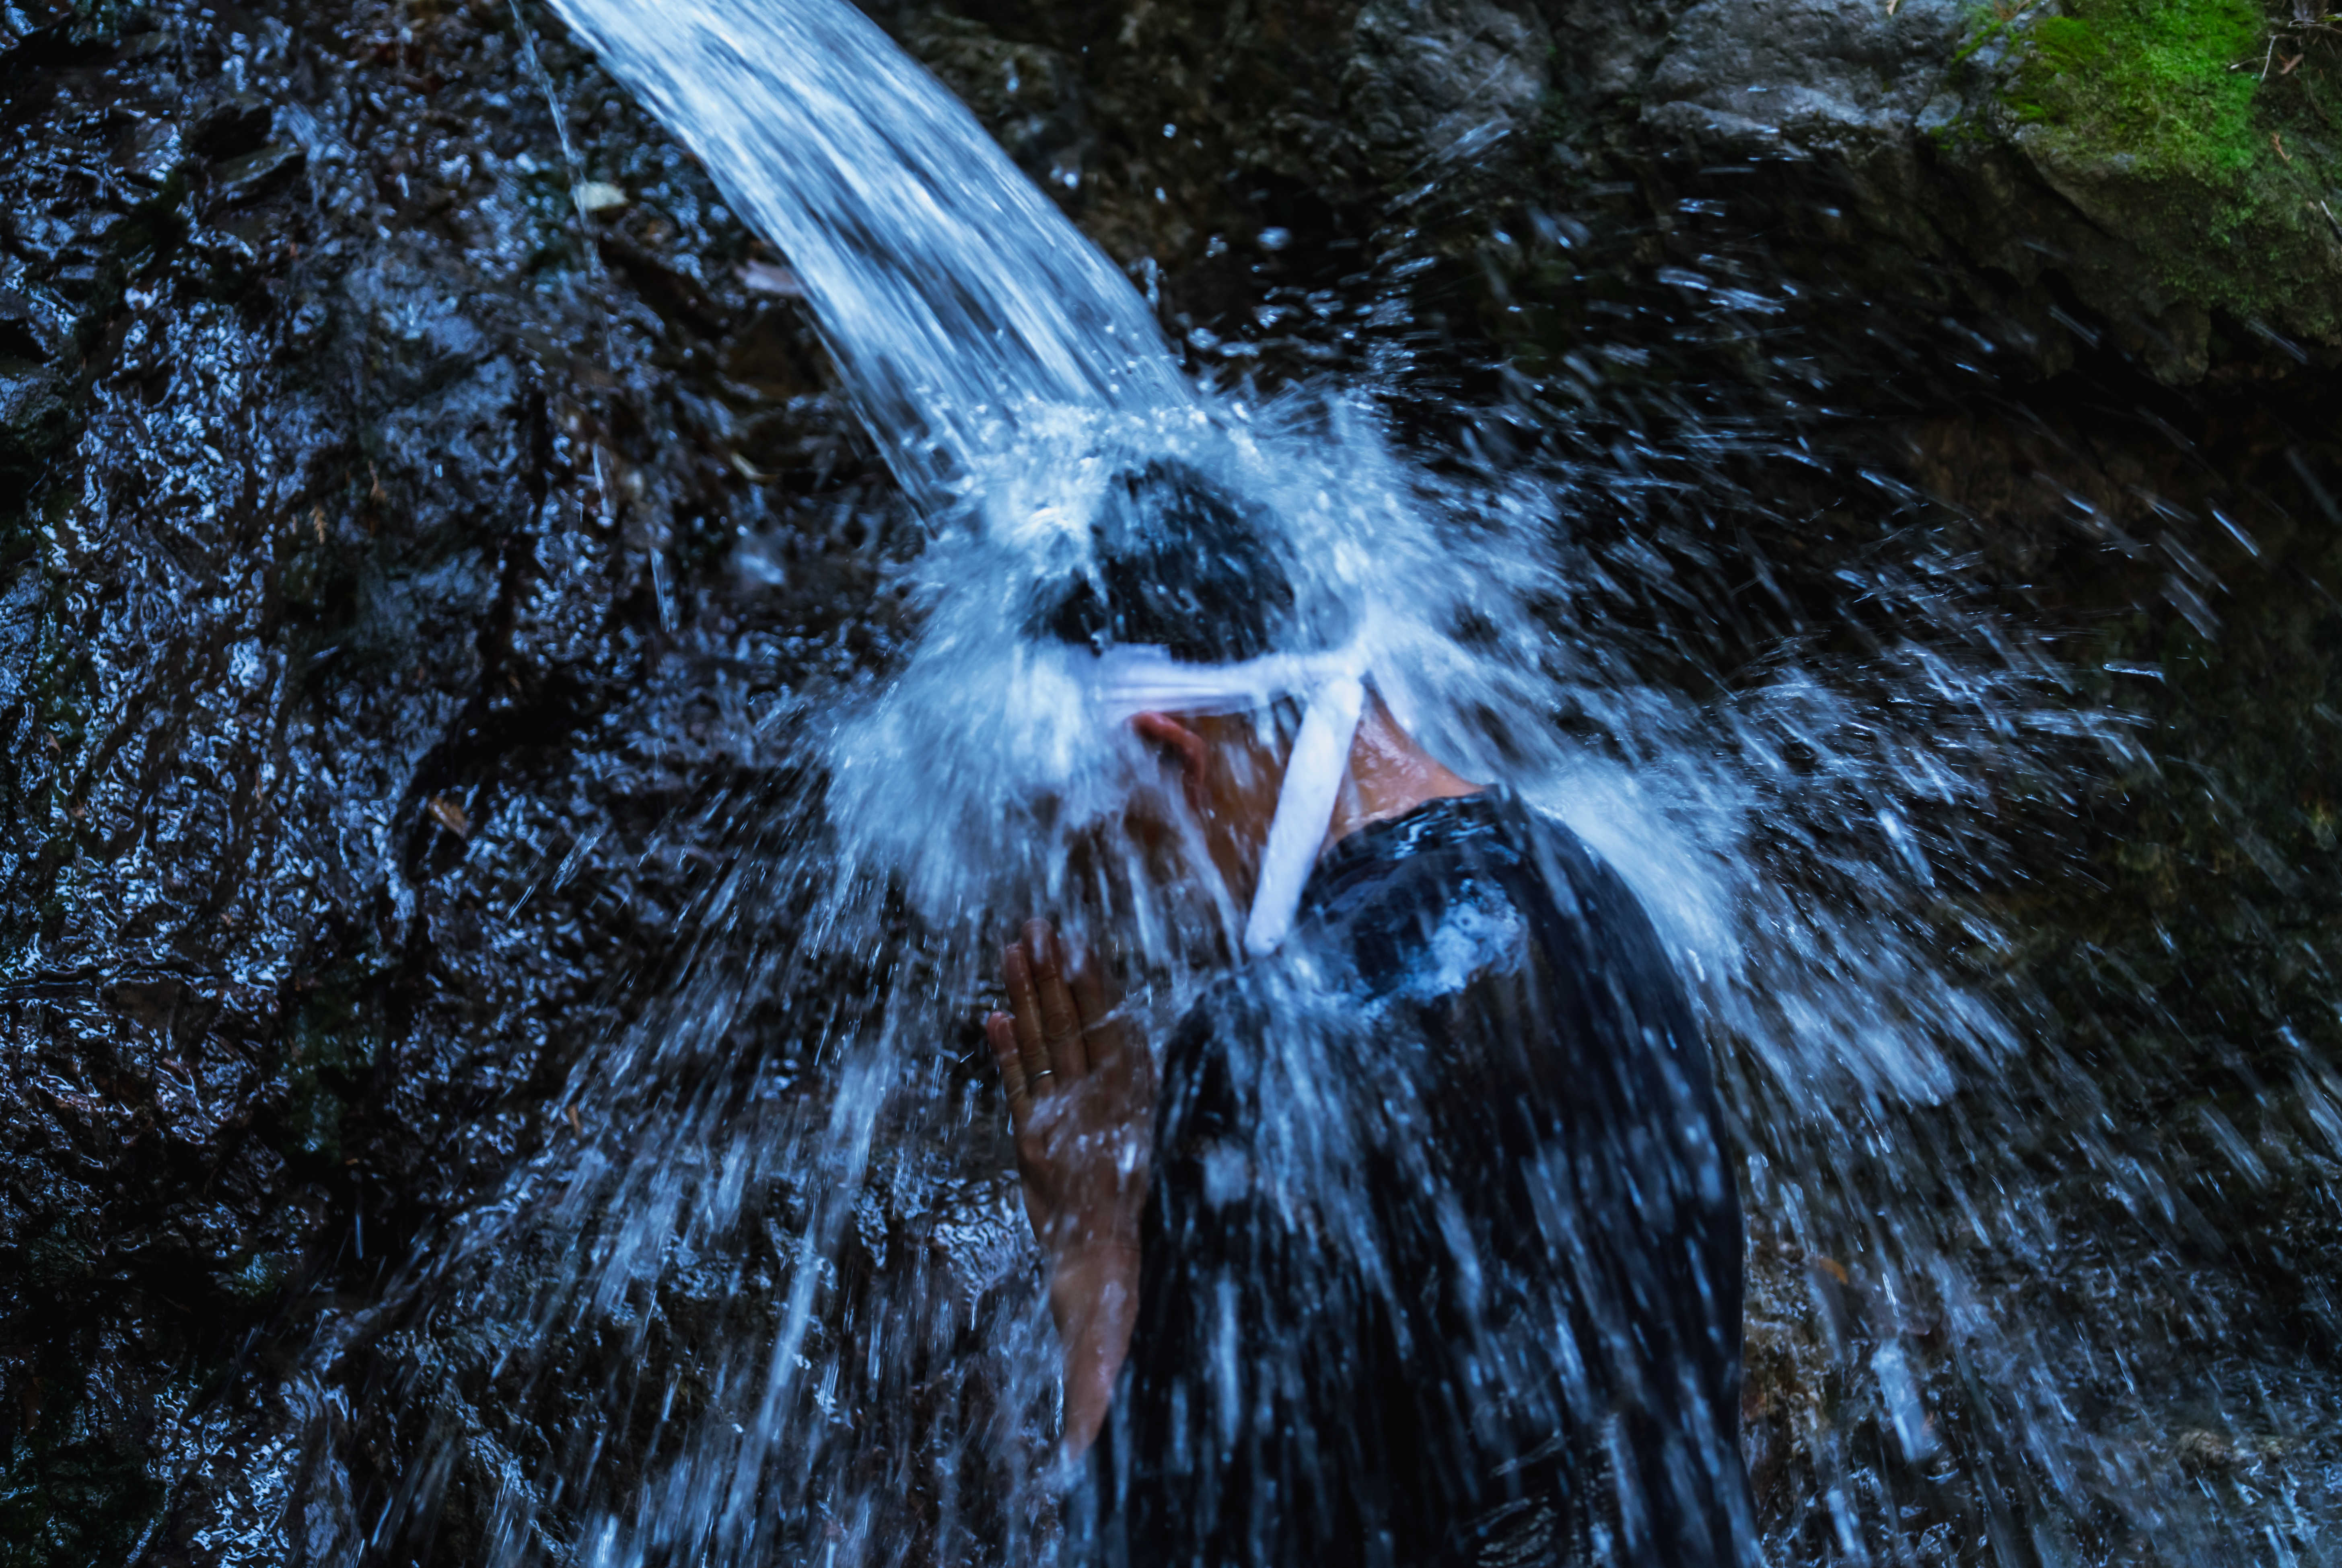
[[1095, 998], [1000, 1033], [1025, 1016], [1061, 1021]]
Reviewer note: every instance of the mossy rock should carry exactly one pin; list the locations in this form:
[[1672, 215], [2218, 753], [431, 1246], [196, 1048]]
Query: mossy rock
[[74, 1494], [332, 1044], [2207, 134], [36, 421]]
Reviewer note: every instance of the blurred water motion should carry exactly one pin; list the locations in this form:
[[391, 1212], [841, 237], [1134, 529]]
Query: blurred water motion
[[785, 1309]]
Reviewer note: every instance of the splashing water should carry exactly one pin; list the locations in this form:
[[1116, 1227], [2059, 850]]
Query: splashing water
[[786, 1308]]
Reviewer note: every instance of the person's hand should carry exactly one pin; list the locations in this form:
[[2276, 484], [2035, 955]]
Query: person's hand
[[1080, 1097], [1080, 1103]]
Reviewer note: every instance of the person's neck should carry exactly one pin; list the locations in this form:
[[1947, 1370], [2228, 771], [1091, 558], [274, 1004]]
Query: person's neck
[[1390, 776]]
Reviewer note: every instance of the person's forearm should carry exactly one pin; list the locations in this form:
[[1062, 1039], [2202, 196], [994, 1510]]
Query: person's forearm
[[1094, 1296]]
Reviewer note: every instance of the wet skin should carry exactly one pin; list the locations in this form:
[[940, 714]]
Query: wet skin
[[1081, 1099]]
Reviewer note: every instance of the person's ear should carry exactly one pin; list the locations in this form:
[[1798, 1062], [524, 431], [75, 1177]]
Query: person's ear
[[1189, 752]]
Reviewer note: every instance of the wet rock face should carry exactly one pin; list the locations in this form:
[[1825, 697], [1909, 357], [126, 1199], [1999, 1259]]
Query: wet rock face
[[408, 574], [2150, 168], [377, 537], [1803, 77], [1434, 84], [2170, 188]]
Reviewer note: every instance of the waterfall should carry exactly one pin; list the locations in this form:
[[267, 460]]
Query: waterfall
[[959, 304]]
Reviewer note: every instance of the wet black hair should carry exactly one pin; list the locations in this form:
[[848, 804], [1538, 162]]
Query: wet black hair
[[1184, 562]]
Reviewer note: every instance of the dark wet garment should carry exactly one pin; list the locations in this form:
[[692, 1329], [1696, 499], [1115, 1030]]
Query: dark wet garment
[[1441, 1262]]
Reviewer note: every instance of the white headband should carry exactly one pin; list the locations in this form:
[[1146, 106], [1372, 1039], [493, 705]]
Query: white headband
[[1130, 681]]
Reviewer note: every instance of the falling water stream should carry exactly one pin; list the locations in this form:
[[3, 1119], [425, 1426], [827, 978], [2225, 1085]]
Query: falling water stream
[[781, 1306]]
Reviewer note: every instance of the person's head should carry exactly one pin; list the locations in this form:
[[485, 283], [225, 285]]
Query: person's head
[[1179, 563]]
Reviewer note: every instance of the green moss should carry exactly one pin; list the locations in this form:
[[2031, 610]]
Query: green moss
[[2152, 78], [2170, 125], [260, 1278], [330, 1046], [73, 1493], [61, 1256]]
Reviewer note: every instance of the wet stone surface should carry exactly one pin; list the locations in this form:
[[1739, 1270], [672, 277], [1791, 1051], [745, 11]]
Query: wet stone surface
[[385, 575], [414, 583]]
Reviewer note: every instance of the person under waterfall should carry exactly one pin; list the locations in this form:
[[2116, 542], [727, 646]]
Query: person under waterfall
[[1414, 1244]]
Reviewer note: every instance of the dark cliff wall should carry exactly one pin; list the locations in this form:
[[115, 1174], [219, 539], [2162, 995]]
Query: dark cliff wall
[[404, 566]]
